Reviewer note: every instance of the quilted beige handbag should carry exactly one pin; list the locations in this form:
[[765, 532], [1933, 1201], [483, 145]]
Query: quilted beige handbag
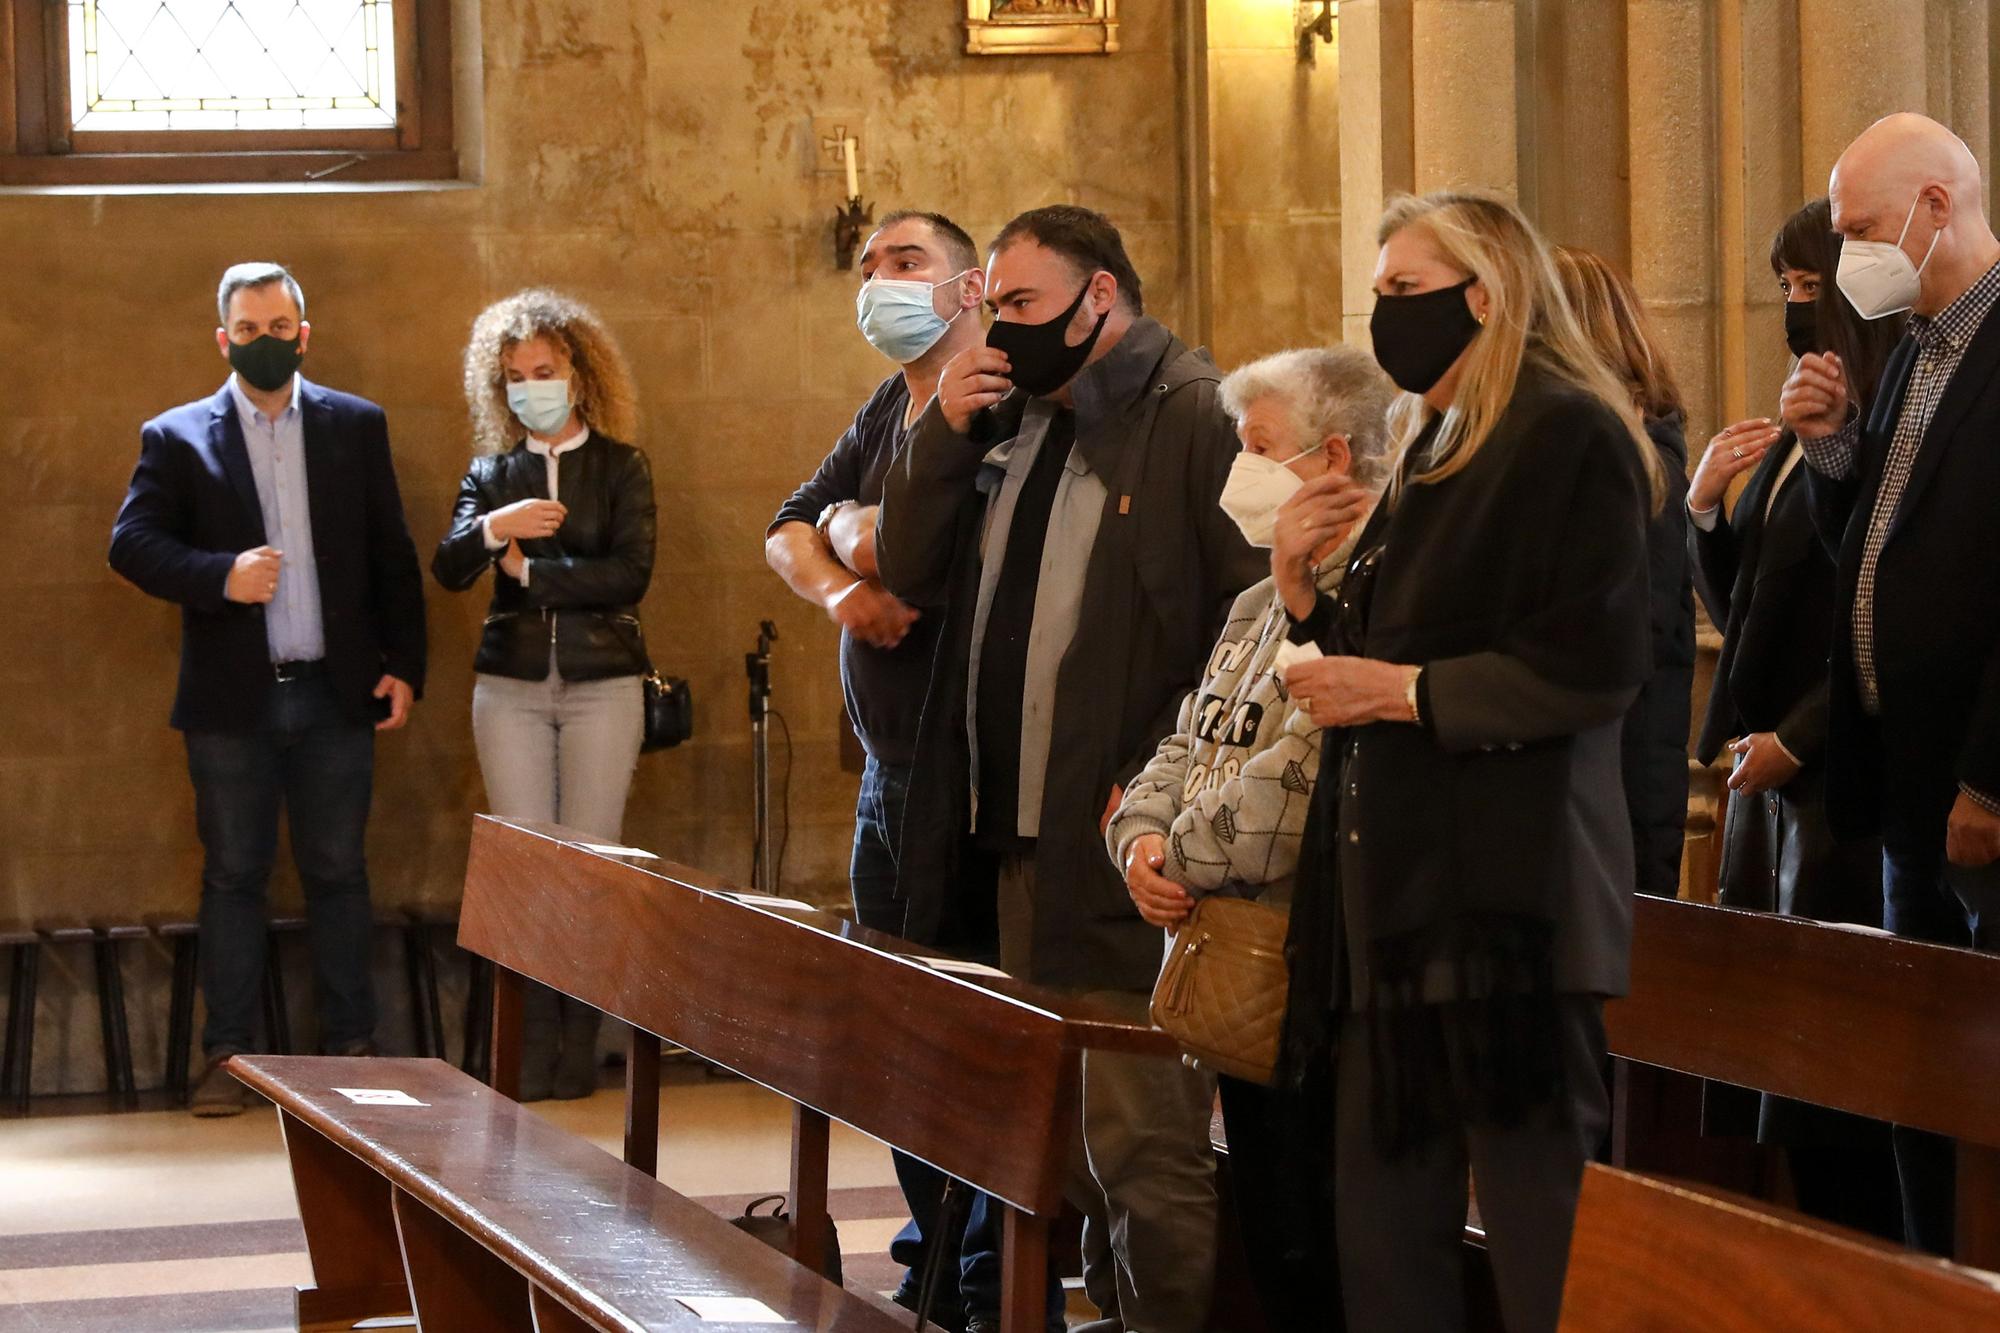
[[1221, 994]]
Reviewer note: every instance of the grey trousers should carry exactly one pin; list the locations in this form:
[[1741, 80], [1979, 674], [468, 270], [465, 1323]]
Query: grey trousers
[[1401, 1223], [560, 753], [1145, 1176]]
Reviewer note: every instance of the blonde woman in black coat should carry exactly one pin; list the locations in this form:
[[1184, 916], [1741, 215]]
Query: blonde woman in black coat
[[1464, 902]]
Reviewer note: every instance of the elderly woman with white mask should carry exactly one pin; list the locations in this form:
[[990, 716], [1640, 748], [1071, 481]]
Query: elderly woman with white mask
[[1222, 806]]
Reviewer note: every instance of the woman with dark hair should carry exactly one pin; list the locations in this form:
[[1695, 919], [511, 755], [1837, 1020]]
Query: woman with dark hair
[[1654, 753], [1768, 582]]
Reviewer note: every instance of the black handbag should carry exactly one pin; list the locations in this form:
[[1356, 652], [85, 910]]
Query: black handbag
[[778, 1230], [669, 710]]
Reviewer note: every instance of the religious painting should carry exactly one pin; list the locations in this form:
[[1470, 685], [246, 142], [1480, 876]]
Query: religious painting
[[1041, 27]]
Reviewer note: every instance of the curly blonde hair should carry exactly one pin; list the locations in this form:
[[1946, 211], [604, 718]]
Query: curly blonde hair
[[601, 385]]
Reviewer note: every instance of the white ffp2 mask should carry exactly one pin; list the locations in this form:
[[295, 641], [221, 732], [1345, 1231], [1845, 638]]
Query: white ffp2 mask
[[1257, 486], [1877, 278]]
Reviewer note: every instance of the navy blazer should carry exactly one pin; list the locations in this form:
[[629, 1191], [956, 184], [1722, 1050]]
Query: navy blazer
[[1937, 610], [192, 508]]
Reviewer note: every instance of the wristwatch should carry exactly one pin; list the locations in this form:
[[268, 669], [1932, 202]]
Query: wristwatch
[[826, 517]]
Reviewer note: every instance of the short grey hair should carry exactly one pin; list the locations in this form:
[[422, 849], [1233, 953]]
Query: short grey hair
[[240, 277], [1336, 390]]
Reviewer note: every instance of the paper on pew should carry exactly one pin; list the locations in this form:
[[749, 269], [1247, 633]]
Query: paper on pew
[[1857, 928], [379, 1097], [606, 849], [963, 968], [732, 1310], [782, 904]]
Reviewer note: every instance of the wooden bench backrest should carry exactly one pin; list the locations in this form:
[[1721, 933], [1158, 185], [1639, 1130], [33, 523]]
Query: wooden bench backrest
[[1650, 1255], [609, 1242], [977, 1079], [1887, 1028]]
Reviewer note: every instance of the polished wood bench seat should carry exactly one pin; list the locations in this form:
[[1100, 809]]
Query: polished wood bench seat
[[474, 1213], [1650, 1255]]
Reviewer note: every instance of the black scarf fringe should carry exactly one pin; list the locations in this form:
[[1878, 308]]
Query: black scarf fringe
[[1491, 1056]]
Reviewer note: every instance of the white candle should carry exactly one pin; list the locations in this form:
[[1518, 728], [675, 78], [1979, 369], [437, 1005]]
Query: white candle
[[847, 147]]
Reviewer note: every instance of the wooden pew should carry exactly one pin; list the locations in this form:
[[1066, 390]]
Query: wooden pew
[[1650, 1256], [1886, 1028], [977, 1076], [474, 1213]]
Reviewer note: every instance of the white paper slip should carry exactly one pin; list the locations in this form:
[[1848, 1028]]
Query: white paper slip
[[963, 968], [782, 904], [732, 1310], [1291, 654], [605, 849], [379, 1097]]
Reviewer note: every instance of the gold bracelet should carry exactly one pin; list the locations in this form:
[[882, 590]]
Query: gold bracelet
[[1410, 697]]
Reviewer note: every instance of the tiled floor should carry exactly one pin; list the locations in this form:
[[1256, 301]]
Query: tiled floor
[[154, 1222]]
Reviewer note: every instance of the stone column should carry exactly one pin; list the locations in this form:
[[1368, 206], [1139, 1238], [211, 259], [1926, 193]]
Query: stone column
[[1857, 63], [1377, 141], [1675, 216], [1464, 88], [1571, 77]]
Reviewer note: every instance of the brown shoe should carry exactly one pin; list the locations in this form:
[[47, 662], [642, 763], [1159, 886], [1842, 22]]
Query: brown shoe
[[218, 1093]]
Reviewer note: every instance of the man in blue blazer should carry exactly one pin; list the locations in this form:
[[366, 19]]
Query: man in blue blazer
[[269, 512]]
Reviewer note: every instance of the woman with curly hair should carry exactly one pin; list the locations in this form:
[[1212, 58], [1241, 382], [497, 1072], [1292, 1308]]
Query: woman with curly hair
[[562, 510]]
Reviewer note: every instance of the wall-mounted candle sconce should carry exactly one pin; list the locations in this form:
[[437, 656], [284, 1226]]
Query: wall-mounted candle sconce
[[1315, 28], [853, 216]]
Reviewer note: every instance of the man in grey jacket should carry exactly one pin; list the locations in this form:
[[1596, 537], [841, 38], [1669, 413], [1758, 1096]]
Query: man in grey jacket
[[1060, 498]]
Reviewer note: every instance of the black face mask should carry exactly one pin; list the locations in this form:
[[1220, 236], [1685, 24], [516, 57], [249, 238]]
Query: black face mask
[[1418, 337], [1802, 327], [267, 362], [1042, 361]]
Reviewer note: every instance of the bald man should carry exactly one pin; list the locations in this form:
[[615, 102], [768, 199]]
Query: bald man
[[1906, 492]]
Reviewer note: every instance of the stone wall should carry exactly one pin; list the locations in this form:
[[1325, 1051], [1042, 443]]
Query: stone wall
[[651, 158]]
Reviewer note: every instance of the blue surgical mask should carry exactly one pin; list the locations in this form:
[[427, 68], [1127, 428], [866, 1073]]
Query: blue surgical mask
[[899, 318], [540, 405]]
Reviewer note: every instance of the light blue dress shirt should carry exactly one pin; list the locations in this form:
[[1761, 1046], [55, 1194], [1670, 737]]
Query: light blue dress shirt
[[277, 450]]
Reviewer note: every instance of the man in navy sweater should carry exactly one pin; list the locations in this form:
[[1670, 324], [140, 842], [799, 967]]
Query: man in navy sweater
[[269, 512]]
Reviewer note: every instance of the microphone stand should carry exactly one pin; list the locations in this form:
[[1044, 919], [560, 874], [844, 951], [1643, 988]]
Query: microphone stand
[[758, 666]]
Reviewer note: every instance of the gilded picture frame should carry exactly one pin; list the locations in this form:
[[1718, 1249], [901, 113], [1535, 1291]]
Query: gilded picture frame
[[1041, 27]]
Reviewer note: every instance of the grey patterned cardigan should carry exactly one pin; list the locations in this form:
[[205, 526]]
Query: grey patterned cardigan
[[1229, 788]]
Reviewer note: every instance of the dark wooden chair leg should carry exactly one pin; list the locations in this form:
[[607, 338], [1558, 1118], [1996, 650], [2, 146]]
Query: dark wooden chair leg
[[180, 1018], [505, 1053], [350, 1229], [476, 1057], [277, 1010], [642, 1101], [413, 944], [427, 974], [111, 983], [18, 1070], [455, 1282], [104, 958]]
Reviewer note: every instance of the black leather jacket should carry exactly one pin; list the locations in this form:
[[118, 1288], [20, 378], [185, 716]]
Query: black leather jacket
[[584, 583]]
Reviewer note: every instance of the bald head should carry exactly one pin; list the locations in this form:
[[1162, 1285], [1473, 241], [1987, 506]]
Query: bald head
[[1908, 168]]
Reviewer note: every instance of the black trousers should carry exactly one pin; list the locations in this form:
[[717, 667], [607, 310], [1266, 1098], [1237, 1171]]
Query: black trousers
[[1400, 1222], [1280, 1172]]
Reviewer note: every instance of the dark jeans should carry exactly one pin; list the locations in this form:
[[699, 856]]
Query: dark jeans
[[316, 765], [980, 1274], [1925, 899], [878, 822]]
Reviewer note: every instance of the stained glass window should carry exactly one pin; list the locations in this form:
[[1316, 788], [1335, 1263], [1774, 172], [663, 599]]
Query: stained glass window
[[232, 64]]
